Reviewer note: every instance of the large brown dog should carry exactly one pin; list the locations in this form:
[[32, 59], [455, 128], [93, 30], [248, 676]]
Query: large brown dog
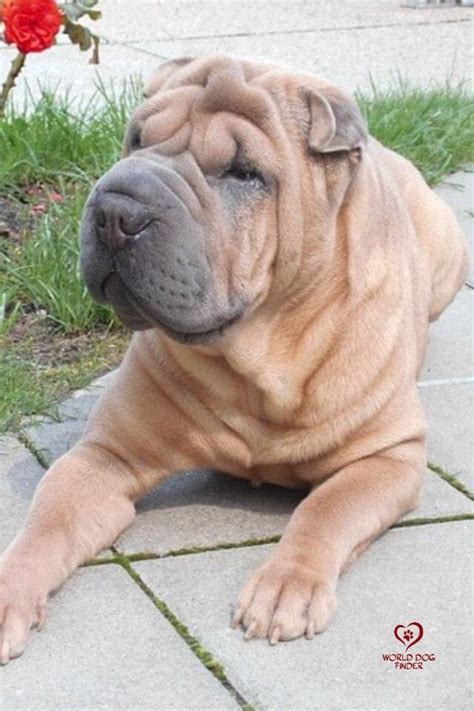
[[281, 268]]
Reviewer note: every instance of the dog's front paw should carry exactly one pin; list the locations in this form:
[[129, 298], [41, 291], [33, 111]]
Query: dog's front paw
[[21, 608], [283, 601]]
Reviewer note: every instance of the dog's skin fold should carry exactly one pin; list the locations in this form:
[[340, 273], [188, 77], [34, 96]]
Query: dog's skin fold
[[280, 268]]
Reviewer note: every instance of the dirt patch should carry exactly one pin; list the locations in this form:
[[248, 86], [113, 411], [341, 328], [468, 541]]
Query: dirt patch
[[14, 219], [41, 343], [19, 214]]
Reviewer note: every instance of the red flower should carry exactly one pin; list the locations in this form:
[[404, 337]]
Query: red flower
[[31, 25]]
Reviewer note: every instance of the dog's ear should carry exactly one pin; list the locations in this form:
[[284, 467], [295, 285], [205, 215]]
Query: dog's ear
[[163, 73], [336, 123]]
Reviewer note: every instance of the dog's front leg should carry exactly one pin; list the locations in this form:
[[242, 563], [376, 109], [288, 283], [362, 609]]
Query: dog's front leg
[[82, 504], [293, 593]]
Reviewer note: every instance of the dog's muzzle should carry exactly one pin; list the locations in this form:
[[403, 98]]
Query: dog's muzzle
[[143, 251]]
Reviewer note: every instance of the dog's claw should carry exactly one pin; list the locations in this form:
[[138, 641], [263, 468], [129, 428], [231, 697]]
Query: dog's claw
[[275, 635], [310, 630], [5, 653], [237, 618], [41, 617], [250, 630]]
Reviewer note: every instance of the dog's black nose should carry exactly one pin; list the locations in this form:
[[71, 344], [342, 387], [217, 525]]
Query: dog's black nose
[[119, 219]]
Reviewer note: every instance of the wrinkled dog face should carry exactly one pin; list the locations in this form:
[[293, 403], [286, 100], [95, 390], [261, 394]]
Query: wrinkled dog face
[[187, 231]]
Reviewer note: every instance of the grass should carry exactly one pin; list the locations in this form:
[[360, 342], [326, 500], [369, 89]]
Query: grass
[[33, 385], [434, 129], [52, 139], [451, 479], [57, 149], [44, 270]]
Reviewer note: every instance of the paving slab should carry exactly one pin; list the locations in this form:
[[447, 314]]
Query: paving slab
[[206, 508], [450, 413], [162, 20], [458, 191], [105, 646], [19, 476], [53, 437], [450, 352], [419, 574], [380, 55], [66, 69]]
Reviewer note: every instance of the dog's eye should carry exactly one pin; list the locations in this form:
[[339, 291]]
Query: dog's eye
[[135, 138], [243, 173]]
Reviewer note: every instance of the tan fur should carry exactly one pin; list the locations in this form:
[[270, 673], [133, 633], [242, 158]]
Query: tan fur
[[344, 266]]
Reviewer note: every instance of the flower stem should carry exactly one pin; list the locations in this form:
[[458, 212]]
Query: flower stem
[[15, 69]]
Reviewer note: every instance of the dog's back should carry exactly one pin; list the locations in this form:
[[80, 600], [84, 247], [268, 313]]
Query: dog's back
[[437, 229]]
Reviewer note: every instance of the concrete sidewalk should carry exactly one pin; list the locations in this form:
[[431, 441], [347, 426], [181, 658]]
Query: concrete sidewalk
[[143, 629], [352, 43], [148, 626]]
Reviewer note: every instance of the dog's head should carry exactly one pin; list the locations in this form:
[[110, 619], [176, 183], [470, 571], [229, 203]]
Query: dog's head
[[230, 172]]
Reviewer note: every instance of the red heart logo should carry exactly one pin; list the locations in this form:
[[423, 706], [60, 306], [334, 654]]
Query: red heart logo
[[407, 636]]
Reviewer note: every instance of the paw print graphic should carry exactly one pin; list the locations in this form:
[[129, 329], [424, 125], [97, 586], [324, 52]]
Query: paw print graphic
[[408, 635]]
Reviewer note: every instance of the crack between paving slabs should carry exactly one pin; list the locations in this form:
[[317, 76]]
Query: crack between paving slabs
[[171, 38], [139, 49], [452, 480], [42, 459], [204, 656], [194, 550], [302, 31], [412, 522], [251, 543]]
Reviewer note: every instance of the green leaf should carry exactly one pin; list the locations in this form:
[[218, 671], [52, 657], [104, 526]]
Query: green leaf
[[83, 37], [75, 9], [78, 35]]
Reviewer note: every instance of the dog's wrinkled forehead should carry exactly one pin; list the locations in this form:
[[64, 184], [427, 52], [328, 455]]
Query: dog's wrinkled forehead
[[200, 72], [201, 104], [216, 106]]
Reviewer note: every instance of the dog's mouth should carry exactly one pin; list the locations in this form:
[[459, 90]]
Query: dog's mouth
[[202, 337], [136, 317]]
